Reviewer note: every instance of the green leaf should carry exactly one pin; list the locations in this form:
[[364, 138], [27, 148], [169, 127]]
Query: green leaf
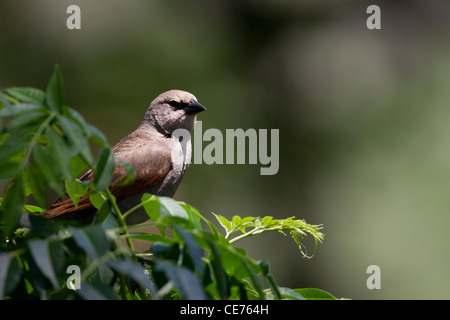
[[150, 237], [104, 170], [5, 260], [78, 138], [171, 208], [10, 273], [267, 221], [193, 247], [18, 109], [33, 209], [264, 265], [104, 216], [129, 179], [151, 207], [220, 277], [77, 166], [12, 204], [194, 215], [91, 239], [37, 185], [97, 199], [246, 222], [84, 242], [164, 210], [98, 237], [165, 251], [76, 189], [251, 268], [95, 290], [132, 270], [4, 100], [287, 293], [26, 119], [57, 256], [236, 221], [223, 221], [315, 294], [15, 144], [96, 135], [91, 132], [41, 254], [27, 94], [55, 91], [231, 262], [187, 284], [60, 151], [9, 168], [45, 162]]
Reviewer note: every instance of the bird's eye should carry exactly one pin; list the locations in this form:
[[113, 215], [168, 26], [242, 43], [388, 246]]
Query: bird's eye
[[177, 104]]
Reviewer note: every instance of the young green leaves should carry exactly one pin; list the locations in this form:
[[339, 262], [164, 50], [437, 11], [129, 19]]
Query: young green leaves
[[296, 228], [55, 92], [45, 143]]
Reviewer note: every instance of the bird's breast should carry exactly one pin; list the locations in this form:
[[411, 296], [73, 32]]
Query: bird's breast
[[181, 158]]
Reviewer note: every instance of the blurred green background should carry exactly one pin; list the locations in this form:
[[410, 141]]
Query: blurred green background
[[363, 117]]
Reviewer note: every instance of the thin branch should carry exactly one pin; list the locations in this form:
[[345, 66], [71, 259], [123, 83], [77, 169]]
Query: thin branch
[[39, 131], [122, 222]]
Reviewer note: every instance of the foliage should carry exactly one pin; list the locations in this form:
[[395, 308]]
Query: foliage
[[45, 144]]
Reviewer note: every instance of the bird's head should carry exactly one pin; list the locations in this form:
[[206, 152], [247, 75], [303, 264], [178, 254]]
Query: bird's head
[[174, 109]]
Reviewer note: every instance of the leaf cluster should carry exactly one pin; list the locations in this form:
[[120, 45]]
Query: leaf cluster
[[44, 145], [298, 229]]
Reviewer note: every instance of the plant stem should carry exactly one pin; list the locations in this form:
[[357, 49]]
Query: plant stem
[[93, 266], [244, 235], [126, 214], [122, 222], [256, 230], [123, 287], [39, 131]]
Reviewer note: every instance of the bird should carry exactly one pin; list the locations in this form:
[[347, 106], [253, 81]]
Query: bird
[[156, 155]]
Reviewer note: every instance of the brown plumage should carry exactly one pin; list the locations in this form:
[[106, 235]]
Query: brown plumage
[[157, 158]]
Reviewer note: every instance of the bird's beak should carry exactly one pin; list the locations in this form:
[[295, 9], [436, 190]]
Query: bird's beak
[[194, 107]]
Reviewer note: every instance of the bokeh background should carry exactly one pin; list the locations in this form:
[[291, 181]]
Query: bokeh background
[[363, 117]]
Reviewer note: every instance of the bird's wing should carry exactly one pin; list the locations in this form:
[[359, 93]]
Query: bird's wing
[[150, 164]]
